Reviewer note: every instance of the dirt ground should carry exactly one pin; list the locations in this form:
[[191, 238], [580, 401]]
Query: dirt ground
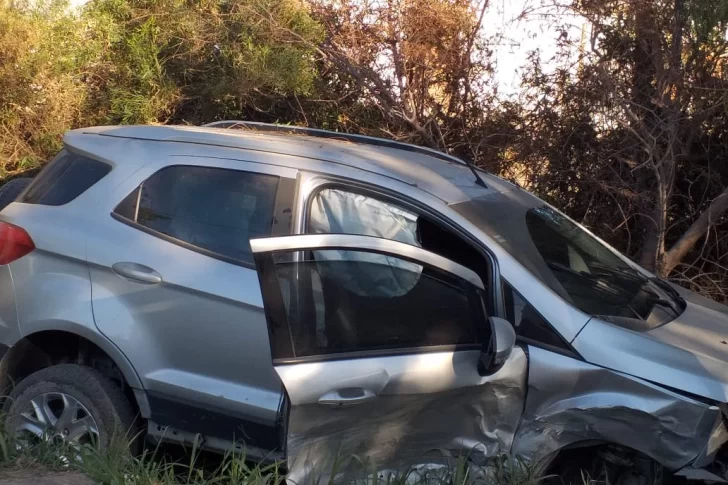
[[42, 477]]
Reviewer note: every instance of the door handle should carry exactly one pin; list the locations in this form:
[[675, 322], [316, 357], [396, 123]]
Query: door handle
[[137, 272], [347, 397]]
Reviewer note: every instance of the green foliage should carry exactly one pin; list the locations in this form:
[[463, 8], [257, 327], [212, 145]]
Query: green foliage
[[144, 61], [42, 92], [655, 80], [709, 19], [187, 61]]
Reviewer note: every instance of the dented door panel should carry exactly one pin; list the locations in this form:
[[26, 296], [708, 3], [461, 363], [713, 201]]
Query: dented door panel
[[400, 429]]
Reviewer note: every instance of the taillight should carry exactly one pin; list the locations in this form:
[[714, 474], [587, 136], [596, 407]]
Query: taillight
[[14, 243]]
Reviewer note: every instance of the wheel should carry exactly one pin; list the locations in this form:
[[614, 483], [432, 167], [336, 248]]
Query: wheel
[[11, 190], [69, 404]]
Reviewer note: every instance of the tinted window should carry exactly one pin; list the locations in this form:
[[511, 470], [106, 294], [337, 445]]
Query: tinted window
[[336, 304], [66, 177], [528, 322], [213, 209]]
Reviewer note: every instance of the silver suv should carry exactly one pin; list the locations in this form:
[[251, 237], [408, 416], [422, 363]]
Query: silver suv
[[311, 297]]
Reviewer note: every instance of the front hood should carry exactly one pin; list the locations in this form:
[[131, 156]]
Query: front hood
[[703, 333], [688, 354], [702, 330]]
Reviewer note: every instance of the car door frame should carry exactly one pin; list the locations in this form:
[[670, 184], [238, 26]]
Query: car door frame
[[312, 183], [305, 242]]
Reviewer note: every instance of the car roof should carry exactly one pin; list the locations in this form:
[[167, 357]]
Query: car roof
[[439, 174]]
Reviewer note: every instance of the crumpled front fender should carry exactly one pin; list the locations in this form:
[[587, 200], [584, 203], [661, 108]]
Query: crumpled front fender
[[570, 402]]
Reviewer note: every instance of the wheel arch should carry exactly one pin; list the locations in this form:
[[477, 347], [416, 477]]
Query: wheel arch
[[66, 342], [595, 445], [590, 456]]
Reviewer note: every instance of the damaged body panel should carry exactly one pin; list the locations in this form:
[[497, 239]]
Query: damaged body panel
[[571, 402], [356, 396], [431, 407], [565, 401], [679, 354], [434, 408]]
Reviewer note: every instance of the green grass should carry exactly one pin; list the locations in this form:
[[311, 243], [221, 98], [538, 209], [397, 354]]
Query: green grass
[[116, 466]]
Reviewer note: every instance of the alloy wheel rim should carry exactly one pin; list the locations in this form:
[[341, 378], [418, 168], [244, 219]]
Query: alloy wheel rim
[[57, 418]]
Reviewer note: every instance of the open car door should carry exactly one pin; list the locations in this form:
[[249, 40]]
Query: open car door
[[378, 345]]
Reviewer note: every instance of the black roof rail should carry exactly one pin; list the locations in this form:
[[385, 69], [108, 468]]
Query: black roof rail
[[335, 135]]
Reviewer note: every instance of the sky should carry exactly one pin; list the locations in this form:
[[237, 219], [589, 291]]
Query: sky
[[521, 35]]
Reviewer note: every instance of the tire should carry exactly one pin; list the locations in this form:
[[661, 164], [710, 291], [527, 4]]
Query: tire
[[112, 415], [11, 190]]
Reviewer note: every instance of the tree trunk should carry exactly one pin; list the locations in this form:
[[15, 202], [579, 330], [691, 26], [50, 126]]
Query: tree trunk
[[653, 244], [643, 95]]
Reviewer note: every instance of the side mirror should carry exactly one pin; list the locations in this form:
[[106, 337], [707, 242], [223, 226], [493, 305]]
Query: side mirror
[[504, 339]]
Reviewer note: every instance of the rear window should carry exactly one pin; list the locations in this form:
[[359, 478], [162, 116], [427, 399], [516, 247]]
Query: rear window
[[66, 177]]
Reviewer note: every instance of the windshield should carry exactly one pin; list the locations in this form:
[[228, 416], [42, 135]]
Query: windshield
[[571, 262]]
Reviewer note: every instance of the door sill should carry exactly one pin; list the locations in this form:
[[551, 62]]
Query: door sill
[[158, 433]]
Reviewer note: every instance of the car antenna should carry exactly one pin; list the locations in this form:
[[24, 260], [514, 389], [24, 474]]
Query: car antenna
[[478, 179]]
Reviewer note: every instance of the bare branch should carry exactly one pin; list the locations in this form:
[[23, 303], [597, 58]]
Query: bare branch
[[710, 216]]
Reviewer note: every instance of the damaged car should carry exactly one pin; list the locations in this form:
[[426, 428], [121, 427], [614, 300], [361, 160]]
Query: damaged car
[[336, 303]]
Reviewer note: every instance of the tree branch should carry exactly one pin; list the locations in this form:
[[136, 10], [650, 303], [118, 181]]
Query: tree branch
[[717, 208]]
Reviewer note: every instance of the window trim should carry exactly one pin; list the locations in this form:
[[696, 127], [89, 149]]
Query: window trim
[[493, 291], [279, 329], [284, 198], [367, 244], [374, 353]]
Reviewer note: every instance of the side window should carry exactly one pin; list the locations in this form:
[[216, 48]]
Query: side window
[[529, 324], [66, 177], [334, 210], [336, 304], [212, 209]]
